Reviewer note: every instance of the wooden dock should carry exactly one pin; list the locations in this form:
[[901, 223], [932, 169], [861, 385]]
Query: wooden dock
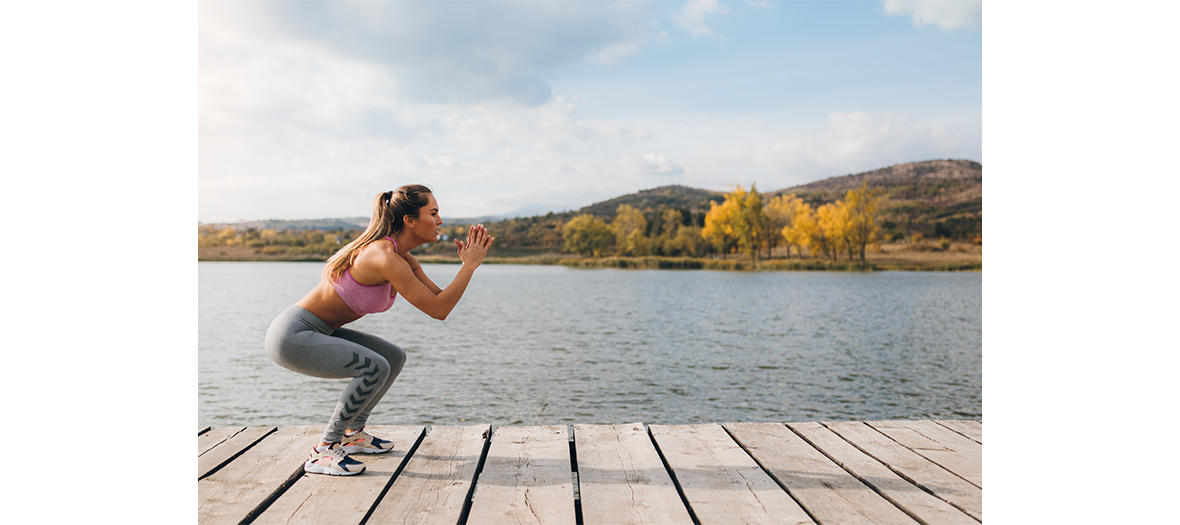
[[875, 472]]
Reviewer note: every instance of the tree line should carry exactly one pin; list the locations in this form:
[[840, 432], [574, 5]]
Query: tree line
[[745, 222], [266, 241]]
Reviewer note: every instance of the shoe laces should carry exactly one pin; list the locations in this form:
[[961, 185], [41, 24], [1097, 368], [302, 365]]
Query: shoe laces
[[336, 451]]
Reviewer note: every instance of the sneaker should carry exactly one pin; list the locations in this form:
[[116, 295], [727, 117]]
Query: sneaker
[[333, 461], [364, 443]]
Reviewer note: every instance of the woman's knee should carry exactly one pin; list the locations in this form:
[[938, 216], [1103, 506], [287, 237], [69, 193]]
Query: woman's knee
[[384, 369], [396, 358]]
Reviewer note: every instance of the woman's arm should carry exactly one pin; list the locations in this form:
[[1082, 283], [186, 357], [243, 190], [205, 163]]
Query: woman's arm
[[438, 305], [421, 275]]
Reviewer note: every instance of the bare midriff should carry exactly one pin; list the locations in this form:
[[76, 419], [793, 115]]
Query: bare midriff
[[325, 303]]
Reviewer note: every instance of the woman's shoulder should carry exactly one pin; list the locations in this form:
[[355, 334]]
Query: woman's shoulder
[[381, 251]]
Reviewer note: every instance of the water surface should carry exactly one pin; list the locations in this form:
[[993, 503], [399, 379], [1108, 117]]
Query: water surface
[[535, 345]]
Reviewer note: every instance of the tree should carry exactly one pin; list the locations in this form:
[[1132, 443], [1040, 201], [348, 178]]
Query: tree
[[587, 235], [687, 241], [827, 236], [629, 228], [671, 220], [778, 217], [863, 206], [749, 228], [718, 225], [738, 221], [800, 226]]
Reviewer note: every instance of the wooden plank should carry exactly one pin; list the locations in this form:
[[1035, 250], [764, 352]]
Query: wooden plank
[[317, 498], [222, 450], [829, 493], [907, 436], [436, 481], [622, 479], [971, 429], [950, 450], [913, 467], [526, 478], [912, 499], [215, 437], [722, 483], [233, 493]]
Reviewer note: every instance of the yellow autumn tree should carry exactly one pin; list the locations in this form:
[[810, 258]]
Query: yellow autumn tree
[[800, 226], [630, 228], [863, 207], [778, 216], [750, 227], [828, 237], [718, 225], [739, 221], [587, 235], [687, 241]]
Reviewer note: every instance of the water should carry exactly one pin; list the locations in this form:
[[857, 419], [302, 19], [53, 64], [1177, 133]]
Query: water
[[534, 345]]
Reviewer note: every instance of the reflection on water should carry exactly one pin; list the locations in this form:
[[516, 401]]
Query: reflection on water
[[539, 345]]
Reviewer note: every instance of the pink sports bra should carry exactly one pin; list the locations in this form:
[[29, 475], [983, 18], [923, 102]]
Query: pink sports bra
[[362, 298]]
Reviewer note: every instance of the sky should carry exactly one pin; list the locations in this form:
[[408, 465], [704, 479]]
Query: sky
[[307, 109]]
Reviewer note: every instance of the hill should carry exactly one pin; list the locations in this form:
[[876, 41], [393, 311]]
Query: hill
[[936, 198], [938, 182], [696, 201], [348, 223]]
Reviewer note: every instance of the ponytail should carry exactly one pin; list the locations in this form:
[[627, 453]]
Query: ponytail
[[389, 219]]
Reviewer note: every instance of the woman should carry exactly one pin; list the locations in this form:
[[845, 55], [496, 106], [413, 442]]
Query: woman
[[362, 278]]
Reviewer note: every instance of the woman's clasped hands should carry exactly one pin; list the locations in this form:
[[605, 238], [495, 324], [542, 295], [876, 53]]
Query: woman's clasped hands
[[473, 250]]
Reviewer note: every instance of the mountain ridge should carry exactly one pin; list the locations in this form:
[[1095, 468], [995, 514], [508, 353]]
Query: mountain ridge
[[920, 196]]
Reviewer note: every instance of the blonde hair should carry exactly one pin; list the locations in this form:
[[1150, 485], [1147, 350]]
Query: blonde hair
[[389, 218]]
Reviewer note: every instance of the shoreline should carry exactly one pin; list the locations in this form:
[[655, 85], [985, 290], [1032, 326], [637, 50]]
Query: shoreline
[[967, 258]]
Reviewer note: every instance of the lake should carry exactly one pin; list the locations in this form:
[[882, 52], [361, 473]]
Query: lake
[[541, 345]]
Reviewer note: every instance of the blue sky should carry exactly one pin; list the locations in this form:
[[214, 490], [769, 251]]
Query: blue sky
[[307, 109]]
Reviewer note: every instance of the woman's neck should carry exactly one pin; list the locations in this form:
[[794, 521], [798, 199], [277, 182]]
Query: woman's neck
[[406, 241]]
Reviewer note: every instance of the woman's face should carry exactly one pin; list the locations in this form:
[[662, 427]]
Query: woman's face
[[426, 226]]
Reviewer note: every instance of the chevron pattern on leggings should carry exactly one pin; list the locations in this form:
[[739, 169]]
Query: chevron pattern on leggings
[[368, 369]]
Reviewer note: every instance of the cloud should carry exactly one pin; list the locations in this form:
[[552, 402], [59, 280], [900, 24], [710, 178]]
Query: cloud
[[779, 153], [946, 14], [493, 153], [650, 164], [692, 16], [305, 110], [614, 53], [443, 52]]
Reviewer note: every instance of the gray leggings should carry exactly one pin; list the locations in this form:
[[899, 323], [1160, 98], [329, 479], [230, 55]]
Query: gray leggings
[[300, 341]]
